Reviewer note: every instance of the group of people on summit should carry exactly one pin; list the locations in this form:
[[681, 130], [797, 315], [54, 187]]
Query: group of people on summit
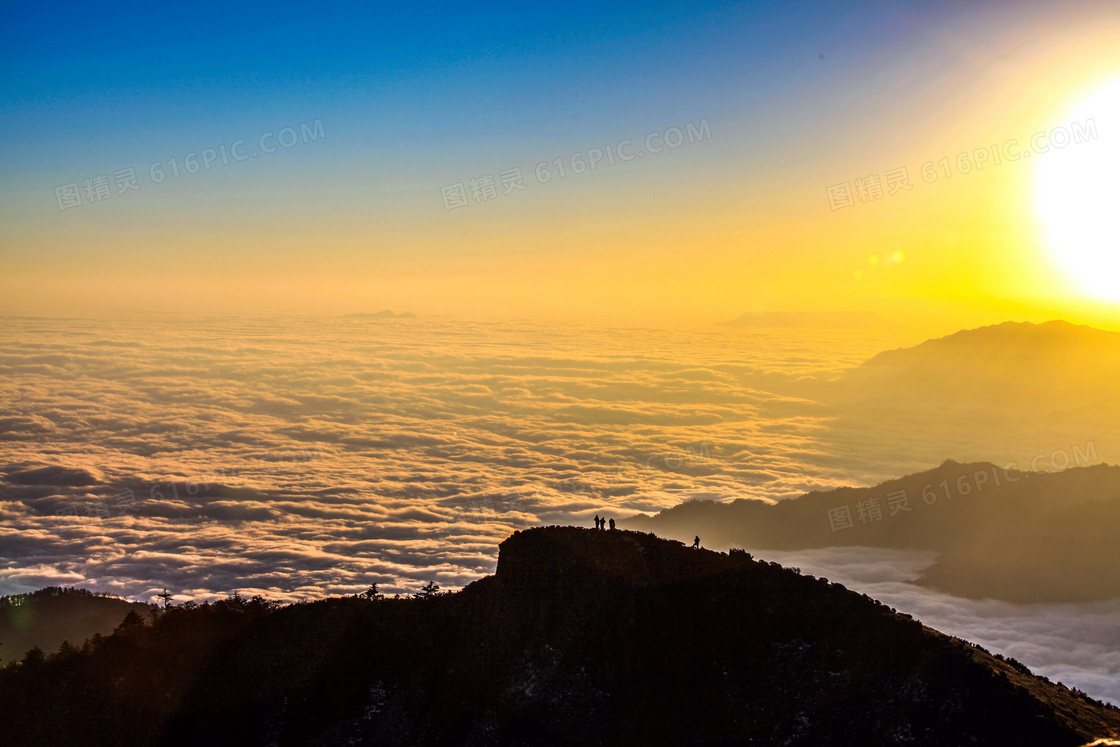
[[601, 523]]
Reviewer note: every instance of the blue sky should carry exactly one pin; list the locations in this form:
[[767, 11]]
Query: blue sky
[[84, 85], [412, 99]]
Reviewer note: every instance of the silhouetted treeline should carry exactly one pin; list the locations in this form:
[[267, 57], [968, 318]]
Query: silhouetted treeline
[[17, 600], [48, 617]]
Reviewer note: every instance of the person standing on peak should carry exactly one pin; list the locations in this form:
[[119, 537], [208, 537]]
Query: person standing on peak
[[597, 520], [612, 524], [696, 542]]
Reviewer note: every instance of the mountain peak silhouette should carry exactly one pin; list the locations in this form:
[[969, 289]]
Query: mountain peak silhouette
[[580, 637]]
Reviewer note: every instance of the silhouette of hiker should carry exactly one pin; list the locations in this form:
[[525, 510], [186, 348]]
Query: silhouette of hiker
[[696, 542], [596, 521], [612, 524]]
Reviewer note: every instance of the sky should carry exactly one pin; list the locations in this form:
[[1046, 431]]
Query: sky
[[570, 201], [325, 158]]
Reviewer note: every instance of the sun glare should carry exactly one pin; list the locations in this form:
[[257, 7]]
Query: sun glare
[[1078, 190]]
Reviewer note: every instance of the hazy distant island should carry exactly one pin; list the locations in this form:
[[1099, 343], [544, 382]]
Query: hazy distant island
[[809, 319], [383, 314], [580, 637]]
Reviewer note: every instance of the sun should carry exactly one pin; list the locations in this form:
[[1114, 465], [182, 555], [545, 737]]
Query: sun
[[1078, 192]]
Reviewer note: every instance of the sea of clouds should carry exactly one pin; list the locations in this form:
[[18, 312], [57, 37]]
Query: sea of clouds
[[299, 458]]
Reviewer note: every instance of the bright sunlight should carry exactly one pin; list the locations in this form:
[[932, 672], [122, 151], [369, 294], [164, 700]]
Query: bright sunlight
[[1077, 194]]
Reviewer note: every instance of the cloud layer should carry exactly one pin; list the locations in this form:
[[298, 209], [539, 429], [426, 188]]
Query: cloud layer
[[299, 458]]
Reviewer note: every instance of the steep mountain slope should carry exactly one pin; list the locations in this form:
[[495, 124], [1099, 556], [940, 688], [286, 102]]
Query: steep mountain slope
[[581, 637], [1003, 533]]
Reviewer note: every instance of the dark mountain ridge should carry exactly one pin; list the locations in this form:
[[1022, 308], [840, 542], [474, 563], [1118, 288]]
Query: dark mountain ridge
[[580, 637], [1017, 535]]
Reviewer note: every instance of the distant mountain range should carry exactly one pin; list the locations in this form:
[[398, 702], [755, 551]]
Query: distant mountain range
[[1017, 342], [580, 637], [1017, 364], [1016, 390], [1001, 533]]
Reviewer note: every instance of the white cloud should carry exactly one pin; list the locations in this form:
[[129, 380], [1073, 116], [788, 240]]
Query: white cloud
[[301, 458]]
